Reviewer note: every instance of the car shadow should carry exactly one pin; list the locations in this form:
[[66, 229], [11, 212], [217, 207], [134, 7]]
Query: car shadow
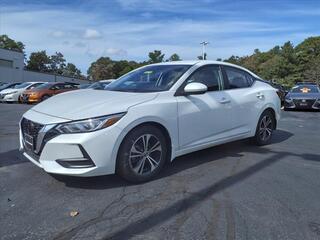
[[11, 157], [233, 149]]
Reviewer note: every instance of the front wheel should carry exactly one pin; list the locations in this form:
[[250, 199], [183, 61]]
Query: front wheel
[[142, 154], [265, 127]]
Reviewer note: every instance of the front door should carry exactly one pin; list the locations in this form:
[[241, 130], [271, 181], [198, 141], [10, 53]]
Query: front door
[[204, 118]]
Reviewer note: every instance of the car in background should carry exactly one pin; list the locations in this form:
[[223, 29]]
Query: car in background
[[8, 85], [84, 86], [149, 117], [44, 91], [303, 96], [101, 84], [12, 95], [281, 91]]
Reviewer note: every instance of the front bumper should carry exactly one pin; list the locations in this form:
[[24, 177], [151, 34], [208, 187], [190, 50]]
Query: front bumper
[[302, 104], [83, 154], [27, 98], [10, 98]]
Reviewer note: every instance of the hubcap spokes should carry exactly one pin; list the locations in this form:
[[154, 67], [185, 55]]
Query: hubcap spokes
[[265, 129], [145, 154]]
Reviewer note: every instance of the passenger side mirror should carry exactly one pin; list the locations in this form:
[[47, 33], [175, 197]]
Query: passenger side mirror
[[195, 88]]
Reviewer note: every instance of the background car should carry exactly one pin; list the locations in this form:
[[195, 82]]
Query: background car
[[84, 86], [101, 84], [281, 91], [44, 91], [303, 96], [13, 94]]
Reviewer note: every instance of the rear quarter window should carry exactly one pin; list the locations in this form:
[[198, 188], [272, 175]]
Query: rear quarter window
[[238, 78]]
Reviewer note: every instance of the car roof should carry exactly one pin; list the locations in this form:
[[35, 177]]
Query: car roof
[[205, 62]]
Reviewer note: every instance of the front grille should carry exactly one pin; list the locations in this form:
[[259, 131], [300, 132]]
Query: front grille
[[30, 131], [304, 103]]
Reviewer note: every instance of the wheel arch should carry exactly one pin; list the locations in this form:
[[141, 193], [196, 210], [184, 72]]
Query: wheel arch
[[273, 112], [150, 122]]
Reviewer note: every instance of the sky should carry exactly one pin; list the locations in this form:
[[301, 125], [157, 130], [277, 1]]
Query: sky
[[129, 29]]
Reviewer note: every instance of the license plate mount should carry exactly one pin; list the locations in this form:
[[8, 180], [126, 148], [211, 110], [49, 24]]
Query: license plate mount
[[29, 141]]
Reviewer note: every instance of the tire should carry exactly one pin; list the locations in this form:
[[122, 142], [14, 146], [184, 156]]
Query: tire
[[265, 127], [134, 162], [44, 97]]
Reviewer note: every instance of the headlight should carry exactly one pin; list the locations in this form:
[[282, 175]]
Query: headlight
[[89, 125], [5, 94], [289, 99]]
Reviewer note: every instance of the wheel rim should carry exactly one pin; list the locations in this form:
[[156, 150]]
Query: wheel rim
[[145, 154], [265, 129]]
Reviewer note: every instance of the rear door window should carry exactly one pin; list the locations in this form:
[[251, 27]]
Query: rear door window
[[238, 78]]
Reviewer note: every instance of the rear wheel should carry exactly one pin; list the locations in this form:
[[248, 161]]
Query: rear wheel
[[265, 127], [142, 154]]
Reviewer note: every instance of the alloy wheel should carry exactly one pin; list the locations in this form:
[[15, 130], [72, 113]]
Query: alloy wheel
[[265, 128], [145, 154]]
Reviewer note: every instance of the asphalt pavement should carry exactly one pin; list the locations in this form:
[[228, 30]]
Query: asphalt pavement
[[233, 191]]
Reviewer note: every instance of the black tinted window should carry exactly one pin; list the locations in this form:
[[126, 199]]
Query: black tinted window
[[57, 87], [69, 86], [238, 78], [34, 86], [209, 75]]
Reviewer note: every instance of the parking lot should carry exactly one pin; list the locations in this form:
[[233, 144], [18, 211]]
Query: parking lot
[[233, 191]]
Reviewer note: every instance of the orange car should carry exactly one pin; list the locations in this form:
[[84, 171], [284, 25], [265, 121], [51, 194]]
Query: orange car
[[46, 90]]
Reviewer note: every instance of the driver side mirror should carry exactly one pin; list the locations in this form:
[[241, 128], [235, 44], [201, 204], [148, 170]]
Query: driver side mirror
[[195, 88]]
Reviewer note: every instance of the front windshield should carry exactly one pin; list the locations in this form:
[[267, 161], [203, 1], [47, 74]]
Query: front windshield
[[305, 89], [22, 85], [152, 78]]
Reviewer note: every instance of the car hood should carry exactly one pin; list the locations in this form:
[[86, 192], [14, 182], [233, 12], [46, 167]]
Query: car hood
[[304, 95], [88, 103], [8, 90]]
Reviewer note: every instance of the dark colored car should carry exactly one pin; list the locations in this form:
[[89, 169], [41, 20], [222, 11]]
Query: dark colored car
[[101, 85], [281, 91], [303, 97], [46, 90], [84, 86]]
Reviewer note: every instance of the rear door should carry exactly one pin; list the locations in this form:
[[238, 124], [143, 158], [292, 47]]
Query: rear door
[[245, 99], [206, 117]]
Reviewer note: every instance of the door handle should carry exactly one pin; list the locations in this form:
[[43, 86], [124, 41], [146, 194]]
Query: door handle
[[224, 100], [260, 95]]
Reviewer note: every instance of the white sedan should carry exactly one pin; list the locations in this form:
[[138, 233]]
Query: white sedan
[[13, 94], [147, 117]]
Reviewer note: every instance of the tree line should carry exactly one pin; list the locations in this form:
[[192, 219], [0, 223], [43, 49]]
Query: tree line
[[286, 64]]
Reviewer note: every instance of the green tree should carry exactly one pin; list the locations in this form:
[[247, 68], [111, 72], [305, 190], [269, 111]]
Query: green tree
[[10, 44], [156, 56], [313, 73], [101, 69], [38, 61], [72, 71], [57, 63], [174, 57]]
